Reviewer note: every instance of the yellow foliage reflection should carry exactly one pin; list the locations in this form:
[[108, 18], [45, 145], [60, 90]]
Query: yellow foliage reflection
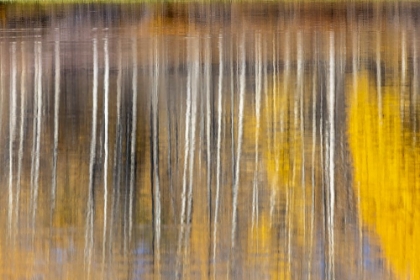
[[278, 132], [384, 154], [262, 253]]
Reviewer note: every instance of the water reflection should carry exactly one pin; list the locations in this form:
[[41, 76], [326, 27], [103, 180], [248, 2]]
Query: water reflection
[[387, 190], [208, 141]]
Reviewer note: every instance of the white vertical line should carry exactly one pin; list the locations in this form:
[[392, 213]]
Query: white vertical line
[[300, 85], [89, 212], [296, 109], [273, 119], [322, 152], [239, 146], [299, 77], [207, 76], [313, 183], [105, 164], [186, 149], [194, 96], [218, 151], [323, 141], [34, 129], [22, 127], [56, 117], [331, 148], [208, 101], [155, 143], [233, 88], [133, 137], [355, 56], [38, 49], [190, 117], [12, 128], [186, 157]]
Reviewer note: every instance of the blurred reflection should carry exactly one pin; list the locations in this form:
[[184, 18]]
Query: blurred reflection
[[204, 141], [384, 148]]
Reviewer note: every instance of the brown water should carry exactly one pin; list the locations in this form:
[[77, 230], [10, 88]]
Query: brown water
[[239, 141]]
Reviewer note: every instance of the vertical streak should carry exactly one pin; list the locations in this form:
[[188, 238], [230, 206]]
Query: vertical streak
[[313, 183], [415, 92], [403, 73], [105, 166], [294, 147], [323, 168], [379, 74], [12, 128], [155, 162], [125, 123], [355, 68], [415, 86], [218, 152], [34, 129], [273, 120], [186, 155], [380, 114], [232, 107], [1, 84], [239, 146], [330, 156], [38, 65], [258, 79], [301, 81], [207, 74], [355, 56], [2, 91], [341, 133], [90, 208], [190, 112], [194, 95], [56, 118], [171, 127], [283, 127], [117, 152], [22, 128], [133, 138]]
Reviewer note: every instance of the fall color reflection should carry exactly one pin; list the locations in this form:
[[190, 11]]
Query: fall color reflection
[[385, 149], [197, 141]]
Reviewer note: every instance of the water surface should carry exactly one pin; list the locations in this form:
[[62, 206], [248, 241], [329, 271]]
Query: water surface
[[239, 141]]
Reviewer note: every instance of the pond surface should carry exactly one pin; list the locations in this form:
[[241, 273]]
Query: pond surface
[[198, 141]]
